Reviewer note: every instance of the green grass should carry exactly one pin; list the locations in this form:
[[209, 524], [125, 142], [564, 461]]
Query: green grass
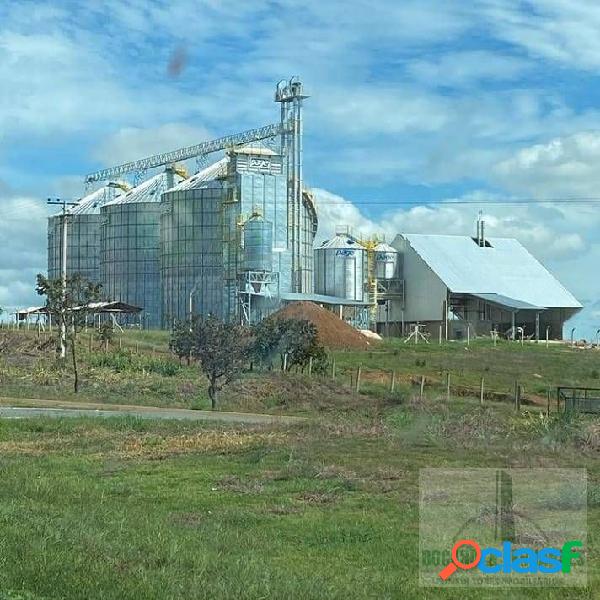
[[123, 508], [536, 367]]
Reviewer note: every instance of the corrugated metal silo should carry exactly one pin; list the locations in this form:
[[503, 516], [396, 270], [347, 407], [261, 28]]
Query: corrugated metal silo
[[129, 257], [386, 262], [83, 236], [258, 244], [340, 268], [191, 247]]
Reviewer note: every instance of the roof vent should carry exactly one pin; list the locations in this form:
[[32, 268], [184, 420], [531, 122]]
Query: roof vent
[[480, 239]]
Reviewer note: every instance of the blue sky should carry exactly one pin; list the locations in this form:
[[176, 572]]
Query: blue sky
[[422, 101]]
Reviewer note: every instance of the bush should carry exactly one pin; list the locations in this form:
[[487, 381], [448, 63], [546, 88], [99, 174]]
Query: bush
[[124, 361]]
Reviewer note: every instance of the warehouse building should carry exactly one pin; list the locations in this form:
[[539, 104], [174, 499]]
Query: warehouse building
[[465, 285]]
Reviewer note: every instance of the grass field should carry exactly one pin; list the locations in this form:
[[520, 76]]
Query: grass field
[[123, 508]]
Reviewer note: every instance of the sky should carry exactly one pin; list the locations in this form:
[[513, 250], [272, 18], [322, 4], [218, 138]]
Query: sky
[[422, 112]]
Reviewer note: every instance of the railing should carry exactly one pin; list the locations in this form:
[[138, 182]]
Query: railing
[[578, 399]]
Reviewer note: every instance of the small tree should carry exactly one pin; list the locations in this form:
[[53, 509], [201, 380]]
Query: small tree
[[181, 343], [221, 350], [296, 338], [70, 307]]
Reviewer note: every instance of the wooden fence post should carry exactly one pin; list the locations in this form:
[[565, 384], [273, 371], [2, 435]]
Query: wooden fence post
[[285, 362], [120, 343], [481, 390], [358, 374], [548, 407], [106, 345], [422, 388], [448, 386], [517, 396], [333, 368], [91, 342], [310, 363], [393, 382]]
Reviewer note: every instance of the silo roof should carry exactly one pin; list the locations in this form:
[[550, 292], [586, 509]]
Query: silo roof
[[148, 191], [91, 204], [383, 247], [341, 241], [217, 169]]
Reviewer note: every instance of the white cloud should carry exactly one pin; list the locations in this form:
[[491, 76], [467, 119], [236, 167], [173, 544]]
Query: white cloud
[[564, 166], [563, 31], [466, 68], [552, 239], [131, 143], [23, 243]]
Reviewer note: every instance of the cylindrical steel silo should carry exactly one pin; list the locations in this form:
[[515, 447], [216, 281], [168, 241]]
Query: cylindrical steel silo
[[83, 236], [258, 244], [386, 262], [129, 258], [340, 268], [191, 250]]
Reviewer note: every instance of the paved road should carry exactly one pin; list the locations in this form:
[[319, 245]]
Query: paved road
[[49, 408]]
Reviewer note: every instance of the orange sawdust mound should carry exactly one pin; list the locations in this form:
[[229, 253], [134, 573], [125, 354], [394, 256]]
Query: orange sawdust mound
[[333, 332]]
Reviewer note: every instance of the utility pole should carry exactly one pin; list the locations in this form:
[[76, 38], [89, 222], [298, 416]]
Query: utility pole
[[63, 270]]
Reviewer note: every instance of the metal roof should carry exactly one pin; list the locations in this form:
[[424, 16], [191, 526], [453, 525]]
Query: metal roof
[[341, 241], [217, 169], [91, 204], [148, 191], [320, 299], [508, 302], [383, 247], [505, 268]]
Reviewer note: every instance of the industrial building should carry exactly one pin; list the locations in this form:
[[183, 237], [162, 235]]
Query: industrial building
[[82, 235], [129, 246], [463, 285], [236, 240], [231, 241]]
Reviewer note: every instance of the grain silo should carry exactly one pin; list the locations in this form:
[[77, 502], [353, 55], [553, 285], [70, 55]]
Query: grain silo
[[390, 289], [258, 244], [191, 252], [129, 256], [386, 262], [83, 236], [203, 233], [341, 268]]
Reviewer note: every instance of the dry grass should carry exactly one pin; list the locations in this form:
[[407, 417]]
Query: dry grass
[[210, 442]]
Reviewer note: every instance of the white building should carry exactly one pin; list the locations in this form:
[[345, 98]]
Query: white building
[[460, 282]]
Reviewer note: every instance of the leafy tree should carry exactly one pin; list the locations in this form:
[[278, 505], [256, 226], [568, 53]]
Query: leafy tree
[[221, 350], [181, 341], [69, 305], [296, 338]]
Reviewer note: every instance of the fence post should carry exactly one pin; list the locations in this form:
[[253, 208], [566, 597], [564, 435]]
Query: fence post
[[91, 342], [120, 343], [422, 388], [310, 363], [333, 368], [285, 362], [481, 390], [106, 345], [358, 373], [448, 386], [517, 396], [393, 382], [549, 394]]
